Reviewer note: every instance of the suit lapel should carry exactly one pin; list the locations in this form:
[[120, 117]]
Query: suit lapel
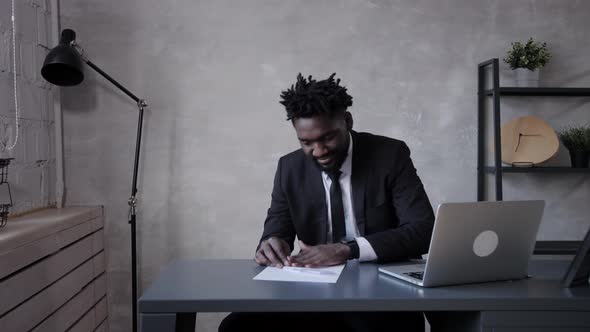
[[358, 180]]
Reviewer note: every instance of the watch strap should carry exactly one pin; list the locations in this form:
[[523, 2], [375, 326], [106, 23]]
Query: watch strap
[[354, 249]]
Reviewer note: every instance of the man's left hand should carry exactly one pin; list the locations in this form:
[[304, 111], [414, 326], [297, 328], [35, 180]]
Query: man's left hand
[[320, 255]]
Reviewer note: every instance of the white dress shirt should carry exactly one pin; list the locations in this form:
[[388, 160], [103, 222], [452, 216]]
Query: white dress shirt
[[366, 251]]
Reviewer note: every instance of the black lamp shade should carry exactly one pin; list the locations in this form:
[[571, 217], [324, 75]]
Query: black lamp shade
[[63, 65]]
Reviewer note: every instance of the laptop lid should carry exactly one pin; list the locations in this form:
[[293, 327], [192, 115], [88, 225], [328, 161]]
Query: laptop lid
[[481, 241]]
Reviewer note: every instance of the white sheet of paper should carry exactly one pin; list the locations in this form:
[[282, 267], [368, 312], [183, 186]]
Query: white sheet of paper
[[327, 275]]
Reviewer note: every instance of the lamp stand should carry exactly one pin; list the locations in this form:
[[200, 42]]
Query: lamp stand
[[63, 67], [132, 202], [132, 214]]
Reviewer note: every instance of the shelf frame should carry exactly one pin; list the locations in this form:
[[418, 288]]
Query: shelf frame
[[481, 125], [539, 92], [556, 247], [536, 169], [497, 169]]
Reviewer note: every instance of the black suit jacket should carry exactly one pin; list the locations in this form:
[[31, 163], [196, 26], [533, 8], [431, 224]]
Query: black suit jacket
[[391, 207]]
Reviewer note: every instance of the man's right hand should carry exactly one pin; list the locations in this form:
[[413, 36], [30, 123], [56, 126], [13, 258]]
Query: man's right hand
[[273, 252]]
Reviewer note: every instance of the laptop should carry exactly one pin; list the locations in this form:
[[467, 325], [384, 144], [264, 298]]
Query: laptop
[[476, 242]]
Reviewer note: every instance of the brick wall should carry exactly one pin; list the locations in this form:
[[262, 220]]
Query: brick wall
[[32, 172]]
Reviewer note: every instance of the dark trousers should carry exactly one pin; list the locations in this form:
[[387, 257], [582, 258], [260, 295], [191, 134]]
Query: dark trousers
[[323, 322]]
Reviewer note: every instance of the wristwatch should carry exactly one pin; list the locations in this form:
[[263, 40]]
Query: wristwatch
[[354, 249]]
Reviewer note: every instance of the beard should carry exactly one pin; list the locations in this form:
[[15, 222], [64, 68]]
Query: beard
[[335, 163]]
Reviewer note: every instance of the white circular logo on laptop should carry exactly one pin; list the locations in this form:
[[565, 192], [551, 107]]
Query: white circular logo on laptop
[[485, 243]]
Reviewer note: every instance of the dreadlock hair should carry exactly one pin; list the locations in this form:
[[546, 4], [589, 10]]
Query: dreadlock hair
[[309, 97]]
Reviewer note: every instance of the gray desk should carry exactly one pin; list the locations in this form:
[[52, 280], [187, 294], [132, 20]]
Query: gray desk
[[186, 287]]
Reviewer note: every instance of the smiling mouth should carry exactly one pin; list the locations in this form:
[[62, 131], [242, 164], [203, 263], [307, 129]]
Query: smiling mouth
[[324, 161]]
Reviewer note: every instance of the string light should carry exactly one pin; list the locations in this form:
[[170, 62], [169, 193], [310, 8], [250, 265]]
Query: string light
[[13, 18]]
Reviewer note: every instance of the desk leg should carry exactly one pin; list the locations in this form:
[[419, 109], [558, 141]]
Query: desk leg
[[181, 322], [185, 322], [157, 322], [454, 321]]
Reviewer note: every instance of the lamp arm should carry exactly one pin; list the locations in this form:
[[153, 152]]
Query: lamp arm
[[141, 104], [80, 51]]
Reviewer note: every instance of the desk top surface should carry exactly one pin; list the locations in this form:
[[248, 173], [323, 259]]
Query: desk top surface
[[227, 285]]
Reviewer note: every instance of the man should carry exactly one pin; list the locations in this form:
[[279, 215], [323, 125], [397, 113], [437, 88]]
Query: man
[[344, 195]]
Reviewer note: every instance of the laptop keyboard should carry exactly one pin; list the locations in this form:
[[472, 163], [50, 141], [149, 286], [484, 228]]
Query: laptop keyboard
[[416, 275]]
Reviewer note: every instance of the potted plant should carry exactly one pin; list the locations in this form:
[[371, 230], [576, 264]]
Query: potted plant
[[526, 59], [577, 140]]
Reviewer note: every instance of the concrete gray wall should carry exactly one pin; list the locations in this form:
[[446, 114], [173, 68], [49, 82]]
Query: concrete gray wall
[[212, 72], [32, 172]]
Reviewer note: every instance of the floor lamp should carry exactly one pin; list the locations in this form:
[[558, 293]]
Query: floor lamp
[[63, 67]]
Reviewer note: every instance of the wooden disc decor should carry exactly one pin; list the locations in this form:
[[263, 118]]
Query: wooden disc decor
[[528, 141]]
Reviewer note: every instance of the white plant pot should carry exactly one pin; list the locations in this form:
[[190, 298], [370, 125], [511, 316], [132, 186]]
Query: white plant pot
[[526, 78]]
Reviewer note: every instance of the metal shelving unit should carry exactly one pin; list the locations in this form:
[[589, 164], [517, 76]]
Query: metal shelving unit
[[497, 169]]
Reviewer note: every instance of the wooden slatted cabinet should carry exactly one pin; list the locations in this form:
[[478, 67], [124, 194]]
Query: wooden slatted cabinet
[[52, 271]]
